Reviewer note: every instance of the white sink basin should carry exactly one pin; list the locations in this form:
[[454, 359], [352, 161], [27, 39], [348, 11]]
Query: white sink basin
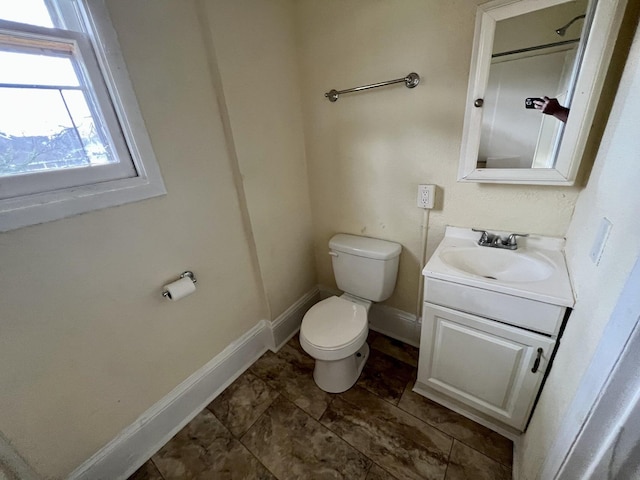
[[501, 265], [536, 270]]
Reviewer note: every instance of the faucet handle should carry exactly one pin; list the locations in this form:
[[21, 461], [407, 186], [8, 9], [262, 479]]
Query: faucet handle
[[485, 238], [511, 240]]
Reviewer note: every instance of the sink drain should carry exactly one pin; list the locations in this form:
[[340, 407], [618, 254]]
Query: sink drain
[[489, 276]]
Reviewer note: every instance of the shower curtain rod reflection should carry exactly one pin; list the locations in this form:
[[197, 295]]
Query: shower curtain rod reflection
[[537, 47], [410, 81]]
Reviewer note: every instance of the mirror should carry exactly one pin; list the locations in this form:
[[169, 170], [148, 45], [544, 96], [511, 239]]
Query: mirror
[[529, 60], [523, 51]]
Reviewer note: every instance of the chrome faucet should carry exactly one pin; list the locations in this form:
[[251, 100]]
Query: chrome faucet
[[493, 240]]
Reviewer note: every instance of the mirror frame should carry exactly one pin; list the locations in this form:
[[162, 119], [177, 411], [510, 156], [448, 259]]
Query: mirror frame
[[605, 17]]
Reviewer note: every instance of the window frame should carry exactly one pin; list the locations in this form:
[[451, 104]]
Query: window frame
[[105, 68]]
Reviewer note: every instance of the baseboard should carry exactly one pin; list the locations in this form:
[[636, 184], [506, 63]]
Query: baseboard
[[288, 323], [390, 321], [395, 323], [515, 468], [137, 443]]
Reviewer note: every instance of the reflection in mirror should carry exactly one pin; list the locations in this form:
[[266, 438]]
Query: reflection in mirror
[[534, 55], [523, 145]]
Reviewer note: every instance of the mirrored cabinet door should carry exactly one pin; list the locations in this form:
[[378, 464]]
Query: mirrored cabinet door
[[536, 74]]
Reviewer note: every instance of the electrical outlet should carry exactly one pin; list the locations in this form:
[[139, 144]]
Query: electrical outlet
[[426, 196]]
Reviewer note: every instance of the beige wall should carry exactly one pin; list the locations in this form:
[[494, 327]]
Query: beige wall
[[87, 343], [367, 152], [256, 57], [612, 192]]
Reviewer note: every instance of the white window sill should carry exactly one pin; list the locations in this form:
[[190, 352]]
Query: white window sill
[[46, 207]]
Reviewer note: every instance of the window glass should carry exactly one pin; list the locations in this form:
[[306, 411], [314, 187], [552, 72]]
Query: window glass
[[29, 69], [48, 130], [33, 12], [45, 120]]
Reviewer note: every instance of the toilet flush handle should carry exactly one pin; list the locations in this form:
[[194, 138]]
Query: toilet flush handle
[[333, 254]]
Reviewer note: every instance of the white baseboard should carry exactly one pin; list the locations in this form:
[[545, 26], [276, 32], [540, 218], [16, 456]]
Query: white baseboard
[[288, 323], [390, 321], [395, 323], [137, 443], [515, 468]]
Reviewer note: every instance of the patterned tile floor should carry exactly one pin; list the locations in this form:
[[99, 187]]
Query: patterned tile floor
[[273, 422]]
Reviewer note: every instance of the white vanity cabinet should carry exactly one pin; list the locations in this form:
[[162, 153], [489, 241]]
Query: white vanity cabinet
[[495, 369], [489, 332]]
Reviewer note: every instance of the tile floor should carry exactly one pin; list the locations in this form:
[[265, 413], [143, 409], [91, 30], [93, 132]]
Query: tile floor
[[273, 422]]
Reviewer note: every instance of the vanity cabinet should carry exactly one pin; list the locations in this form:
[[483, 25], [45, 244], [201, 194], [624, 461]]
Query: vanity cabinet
[[490, 326], [495, 369]]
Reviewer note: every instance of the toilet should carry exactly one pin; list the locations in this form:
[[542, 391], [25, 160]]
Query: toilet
[[334, 331]]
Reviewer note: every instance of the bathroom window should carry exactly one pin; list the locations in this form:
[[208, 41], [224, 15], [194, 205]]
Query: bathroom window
[[71, 136]]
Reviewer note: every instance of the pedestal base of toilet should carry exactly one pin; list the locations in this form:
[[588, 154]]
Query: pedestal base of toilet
[[338, 376]]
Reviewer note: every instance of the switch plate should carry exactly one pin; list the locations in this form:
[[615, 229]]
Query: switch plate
[[426, 196], [600, 240]]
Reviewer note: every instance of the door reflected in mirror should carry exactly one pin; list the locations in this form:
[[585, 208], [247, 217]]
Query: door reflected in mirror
[[534, 55]]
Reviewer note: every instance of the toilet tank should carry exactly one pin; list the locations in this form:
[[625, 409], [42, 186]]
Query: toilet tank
[[365, 267]]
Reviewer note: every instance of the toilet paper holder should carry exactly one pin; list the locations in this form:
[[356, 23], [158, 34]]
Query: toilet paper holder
[[187, 273]]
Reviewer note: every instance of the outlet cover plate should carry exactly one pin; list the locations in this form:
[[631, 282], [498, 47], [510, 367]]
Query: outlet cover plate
[[426, 196]]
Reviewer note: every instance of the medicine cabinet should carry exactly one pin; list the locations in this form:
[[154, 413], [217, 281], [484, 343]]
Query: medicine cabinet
[[530, 49]]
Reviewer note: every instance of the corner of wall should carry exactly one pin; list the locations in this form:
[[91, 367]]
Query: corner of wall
[[216, 81], [288, 323]]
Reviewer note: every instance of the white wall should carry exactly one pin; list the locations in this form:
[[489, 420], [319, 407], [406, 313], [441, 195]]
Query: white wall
[[255, 51], [367, 152], [87, 343], [612, 192]]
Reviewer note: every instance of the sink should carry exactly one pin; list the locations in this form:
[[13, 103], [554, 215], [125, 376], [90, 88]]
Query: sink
[[537, 270], [501, 265]]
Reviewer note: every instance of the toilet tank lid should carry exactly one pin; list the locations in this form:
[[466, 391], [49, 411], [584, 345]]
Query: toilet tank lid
[[365, 246]]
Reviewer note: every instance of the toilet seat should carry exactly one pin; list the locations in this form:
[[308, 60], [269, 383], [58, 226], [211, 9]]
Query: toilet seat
[[334, 329]]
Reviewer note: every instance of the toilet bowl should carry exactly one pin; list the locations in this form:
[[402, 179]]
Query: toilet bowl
[[334, 332]]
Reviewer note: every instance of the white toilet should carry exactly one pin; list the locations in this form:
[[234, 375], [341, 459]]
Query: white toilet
[[334, 331]]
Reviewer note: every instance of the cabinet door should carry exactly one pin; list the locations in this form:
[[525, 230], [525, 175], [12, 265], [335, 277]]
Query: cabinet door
[[482, 363]]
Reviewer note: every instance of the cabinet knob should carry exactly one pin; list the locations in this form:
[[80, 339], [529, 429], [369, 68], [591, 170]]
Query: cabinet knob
[[479, 102]]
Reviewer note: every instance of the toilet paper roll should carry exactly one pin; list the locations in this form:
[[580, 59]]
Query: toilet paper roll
[[180, 288]]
